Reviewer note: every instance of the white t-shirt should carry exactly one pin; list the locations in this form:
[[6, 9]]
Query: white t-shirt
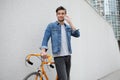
[[64, 47]]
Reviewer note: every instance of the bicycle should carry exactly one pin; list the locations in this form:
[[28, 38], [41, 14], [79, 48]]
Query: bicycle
[[40, 74]]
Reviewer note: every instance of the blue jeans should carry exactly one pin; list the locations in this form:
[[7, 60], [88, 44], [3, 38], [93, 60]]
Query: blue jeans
[[63, 65]]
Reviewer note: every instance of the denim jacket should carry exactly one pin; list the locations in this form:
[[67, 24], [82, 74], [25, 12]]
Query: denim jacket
[[53, 31]]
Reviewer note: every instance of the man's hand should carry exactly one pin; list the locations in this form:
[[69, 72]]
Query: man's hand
[[43, 53], [67, 18]]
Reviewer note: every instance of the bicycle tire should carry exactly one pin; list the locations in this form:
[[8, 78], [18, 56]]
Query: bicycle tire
[[32, 75]]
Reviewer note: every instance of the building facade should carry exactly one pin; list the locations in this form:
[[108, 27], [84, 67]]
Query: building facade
[[110, 10]]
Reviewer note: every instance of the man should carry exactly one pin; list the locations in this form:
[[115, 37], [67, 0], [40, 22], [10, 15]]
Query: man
[[60, 34]]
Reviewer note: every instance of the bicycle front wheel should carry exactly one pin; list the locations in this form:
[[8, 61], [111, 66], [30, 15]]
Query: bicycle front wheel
[[33, 76]]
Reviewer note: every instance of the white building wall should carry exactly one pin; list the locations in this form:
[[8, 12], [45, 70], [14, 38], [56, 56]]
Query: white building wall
[[22, 23]]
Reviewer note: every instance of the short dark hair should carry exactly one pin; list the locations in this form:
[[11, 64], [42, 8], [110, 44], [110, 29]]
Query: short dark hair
[[61, 8]]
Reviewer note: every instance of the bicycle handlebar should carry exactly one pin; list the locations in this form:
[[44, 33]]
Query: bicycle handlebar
[[31, 63], [49, 58]]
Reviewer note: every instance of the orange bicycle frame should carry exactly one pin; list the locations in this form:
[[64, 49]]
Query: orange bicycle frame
[[49, 61]]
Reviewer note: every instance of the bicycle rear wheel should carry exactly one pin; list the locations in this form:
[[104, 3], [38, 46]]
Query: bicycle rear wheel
[[33, 76]]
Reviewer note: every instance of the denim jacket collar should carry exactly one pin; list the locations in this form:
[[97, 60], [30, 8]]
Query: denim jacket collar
[[59, 23]]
